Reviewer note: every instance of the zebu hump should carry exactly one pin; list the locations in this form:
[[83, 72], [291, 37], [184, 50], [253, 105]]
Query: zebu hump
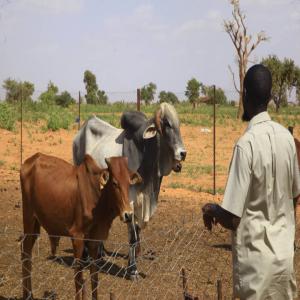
[[133, 120]]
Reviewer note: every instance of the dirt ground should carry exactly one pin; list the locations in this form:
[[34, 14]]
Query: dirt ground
[[174, 239]]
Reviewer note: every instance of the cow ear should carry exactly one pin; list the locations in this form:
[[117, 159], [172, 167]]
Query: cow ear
[[150, 132], [135, 178], [104, 177]]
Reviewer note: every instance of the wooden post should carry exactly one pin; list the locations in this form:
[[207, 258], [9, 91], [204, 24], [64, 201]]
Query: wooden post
[[219, 290], [214, 142], [79, 102], [138, 99], [184, 281], [21, 131]]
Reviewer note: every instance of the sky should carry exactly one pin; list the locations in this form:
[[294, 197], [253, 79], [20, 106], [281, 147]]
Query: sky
[[128, 44]]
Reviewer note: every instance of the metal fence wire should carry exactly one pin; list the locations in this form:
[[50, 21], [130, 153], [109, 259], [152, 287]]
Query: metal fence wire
[[204, 257]]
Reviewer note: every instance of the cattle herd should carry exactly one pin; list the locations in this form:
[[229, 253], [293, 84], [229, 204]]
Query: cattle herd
[[116, 172]]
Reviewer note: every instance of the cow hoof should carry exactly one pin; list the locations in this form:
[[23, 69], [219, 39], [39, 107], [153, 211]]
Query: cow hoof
[[134, 276]]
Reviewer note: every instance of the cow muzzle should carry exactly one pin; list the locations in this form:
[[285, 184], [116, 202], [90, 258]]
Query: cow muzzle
[[177, 166], [126, 217]]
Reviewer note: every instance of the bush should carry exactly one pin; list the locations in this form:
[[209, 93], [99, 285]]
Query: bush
[[7, 117], [64, 99], [57, 121]]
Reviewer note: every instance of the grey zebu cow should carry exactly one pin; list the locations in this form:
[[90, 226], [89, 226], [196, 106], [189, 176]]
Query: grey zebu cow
[[154, 148]]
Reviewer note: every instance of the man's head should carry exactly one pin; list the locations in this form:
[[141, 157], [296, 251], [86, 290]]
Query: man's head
[[257, 91]]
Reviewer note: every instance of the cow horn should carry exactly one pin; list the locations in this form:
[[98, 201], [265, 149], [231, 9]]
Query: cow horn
[[157, 120]]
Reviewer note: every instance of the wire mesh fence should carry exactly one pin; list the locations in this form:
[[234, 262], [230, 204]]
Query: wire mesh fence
[[175, 239], [204, 256], [164, 255]]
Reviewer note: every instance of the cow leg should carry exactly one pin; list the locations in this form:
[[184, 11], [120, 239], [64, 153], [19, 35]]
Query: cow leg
[[85, 252], [54, 241], [31, 230], [93, 251], [133, 234], [78, 245], [101, 250]]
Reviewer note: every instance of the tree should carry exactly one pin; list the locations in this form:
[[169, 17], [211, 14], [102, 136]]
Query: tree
[[102, 97], [193, 91], [93, 94], [220, 95], [243, 44], [64, 99], [49, 96], [168, 97], [17, 90], [285, 77], [147, 92]]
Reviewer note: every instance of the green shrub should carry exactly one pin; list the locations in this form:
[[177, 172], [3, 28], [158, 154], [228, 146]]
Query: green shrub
[[7, 117], [57, 121]]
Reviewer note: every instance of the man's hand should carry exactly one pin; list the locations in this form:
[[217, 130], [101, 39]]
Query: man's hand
[[208, 215]]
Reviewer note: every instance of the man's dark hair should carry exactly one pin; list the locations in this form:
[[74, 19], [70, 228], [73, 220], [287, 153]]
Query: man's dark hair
[[258, 84]]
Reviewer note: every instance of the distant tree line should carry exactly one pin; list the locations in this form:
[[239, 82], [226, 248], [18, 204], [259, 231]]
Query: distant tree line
[[285, 74], [17, 90]]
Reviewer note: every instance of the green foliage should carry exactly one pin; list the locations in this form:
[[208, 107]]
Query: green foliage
[[57, 120], [7, 117], [48, 97], [168, 97], [220, 95], [102, 97], [285, 77], [93, 94], [195, 188], [17, 90], [193, 90], [147, 92], [64, 99]]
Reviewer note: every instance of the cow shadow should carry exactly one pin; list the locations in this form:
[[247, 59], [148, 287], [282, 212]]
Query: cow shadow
[[104, 266], [107, 253], [226, 247]]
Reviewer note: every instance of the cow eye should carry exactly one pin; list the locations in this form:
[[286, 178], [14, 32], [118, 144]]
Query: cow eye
[[167, 124], [115, 183]]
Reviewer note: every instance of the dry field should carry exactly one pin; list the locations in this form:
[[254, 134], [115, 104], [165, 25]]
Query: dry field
[[175, 237]]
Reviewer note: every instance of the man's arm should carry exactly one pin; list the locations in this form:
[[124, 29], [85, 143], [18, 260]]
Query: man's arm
[[213, 214]]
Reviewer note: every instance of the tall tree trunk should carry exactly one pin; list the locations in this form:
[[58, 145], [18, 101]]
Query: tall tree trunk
[[242, 72]]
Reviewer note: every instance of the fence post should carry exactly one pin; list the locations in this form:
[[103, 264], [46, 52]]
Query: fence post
[[219, 290], [21, 131], [214, 141], [138, 99], [184, 281], [79, 102]]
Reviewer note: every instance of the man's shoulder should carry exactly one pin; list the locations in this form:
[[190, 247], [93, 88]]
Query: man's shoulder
[[245, 139]]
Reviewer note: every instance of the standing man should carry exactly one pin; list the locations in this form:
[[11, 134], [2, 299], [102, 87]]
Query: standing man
[[258, 207]]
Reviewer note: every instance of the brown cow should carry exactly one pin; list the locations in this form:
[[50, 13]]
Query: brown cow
[[76, 201]]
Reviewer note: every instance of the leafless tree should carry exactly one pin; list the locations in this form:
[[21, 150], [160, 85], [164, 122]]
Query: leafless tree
[[244, 45]]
